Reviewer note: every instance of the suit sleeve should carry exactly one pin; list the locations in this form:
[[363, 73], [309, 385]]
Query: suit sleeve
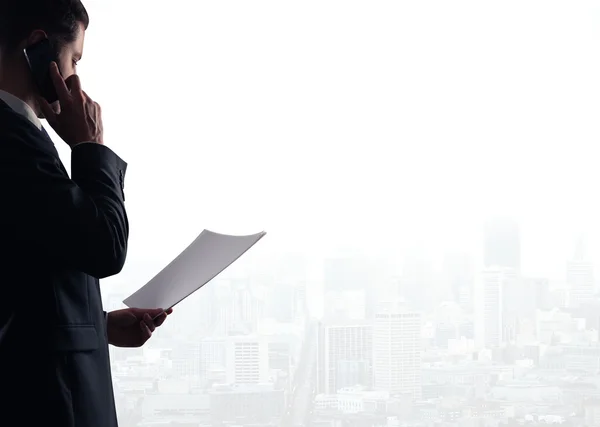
[[80, 223]]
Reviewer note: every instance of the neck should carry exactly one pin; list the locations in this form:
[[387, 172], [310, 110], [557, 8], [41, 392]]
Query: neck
[[14, 80]]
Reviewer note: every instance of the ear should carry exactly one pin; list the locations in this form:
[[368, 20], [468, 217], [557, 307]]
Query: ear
[[34, 37]]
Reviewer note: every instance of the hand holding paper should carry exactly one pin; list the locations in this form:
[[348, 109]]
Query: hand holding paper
[[203, 260]]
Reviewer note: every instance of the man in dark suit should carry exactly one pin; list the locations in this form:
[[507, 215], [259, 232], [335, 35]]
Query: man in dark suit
[[59, 234]]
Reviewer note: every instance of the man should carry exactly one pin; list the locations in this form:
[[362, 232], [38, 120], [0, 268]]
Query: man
[[59, 235]]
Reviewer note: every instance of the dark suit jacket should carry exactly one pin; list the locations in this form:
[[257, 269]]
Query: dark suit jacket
[[58, 237]]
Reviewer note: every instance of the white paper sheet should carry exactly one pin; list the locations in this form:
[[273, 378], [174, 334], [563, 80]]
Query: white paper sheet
[[198, 264]]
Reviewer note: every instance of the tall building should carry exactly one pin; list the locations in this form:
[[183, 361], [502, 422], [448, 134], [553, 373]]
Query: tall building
[[495, 306], [345, 356], [502, 244], [580, 278], [397, 351]]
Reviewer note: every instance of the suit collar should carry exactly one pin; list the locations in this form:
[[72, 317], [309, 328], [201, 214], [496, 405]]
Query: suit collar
[[45, 142], [20, 107]]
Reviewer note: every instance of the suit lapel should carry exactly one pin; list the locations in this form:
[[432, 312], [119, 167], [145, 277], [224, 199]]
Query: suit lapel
[[52, 147], [49, 140], [40, 138]]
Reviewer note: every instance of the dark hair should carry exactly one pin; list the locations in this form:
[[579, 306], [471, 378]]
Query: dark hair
[[59, 19]]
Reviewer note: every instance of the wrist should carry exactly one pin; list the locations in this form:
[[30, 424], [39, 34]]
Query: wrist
[[85, 142], [107, 319]]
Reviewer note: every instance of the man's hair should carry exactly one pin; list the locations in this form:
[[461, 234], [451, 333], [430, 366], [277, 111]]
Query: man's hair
[[59, 19]]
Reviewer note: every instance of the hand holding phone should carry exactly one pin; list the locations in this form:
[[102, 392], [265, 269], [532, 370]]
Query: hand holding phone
[[38, 57], [80, 118]]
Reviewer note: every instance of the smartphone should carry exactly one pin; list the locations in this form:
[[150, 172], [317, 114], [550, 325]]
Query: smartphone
[[39, 56]]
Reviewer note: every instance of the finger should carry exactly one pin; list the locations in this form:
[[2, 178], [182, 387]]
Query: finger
[[148, 321], [151, 311], [59, 83], [156, 313], [159, 320], [47, 110], [74, 84], [162, 316], [146, 332]]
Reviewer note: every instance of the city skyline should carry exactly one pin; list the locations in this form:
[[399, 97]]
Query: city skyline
[[349, 368]]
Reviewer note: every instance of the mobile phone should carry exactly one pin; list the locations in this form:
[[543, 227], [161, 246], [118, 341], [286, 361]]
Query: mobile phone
[[39, 56]]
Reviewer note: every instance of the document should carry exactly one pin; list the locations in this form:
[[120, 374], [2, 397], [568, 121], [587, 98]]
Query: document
[[198, 264]]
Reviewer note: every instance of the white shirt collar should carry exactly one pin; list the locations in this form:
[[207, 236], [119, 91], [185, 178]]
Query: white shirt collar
[[20, 107]]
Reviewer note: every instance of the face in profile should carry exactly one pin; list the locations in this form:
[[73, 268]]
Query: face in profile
[[69, 55]]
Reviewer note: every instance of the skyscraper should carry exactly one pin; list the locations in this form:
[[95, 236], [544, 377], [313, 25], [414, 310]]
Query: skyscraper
[[397, 351], [345, 355], [502, 244], [580, 278], [496, 319]]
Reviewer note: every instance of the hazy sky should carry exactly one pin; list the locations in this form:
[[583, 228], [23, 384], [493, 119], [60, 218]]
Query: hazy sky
[[329, 123]]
